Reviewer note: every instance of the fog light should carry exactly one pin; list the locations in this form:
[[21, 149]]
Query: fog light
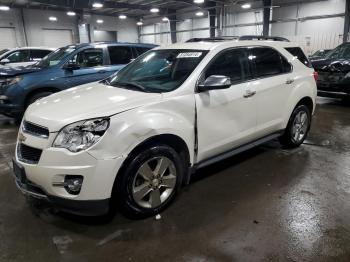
[[73, 184]]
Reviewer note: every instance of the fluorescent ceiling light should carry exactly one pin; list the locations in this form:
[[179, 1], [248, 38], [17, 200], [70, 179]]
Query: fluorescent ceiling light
[[99, 21], [165, 19], [97, 5], [200, 13], [154, 10], [122, 17], [246, 6], [4, 8], [53, 18], [198, 1], [139, 23], [71, 13]]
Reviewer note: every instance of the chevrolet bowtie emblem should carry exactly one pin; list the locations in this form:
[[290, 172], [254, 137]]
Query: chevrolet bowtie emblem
[[21, 137]]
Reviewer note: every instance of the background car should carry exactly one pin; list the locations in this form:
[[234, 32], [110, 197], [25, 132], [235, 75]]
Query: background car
[[67, 67], [319, 54], [334, 73], [23, 56]]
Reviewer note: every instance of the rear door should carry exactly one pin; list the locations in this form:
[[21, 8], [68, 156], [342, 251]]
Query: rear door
[[226, 118], [274, 81], [92, 67]]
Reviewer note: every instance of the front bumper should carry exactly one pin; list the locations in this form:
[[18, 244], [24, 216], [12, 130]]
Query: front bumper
[[11, 109], [43, 179], [77, 207]]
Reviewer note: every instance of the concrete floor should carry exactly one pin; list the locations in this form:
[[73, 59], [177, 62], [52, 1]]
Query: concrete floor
[[267, 204]]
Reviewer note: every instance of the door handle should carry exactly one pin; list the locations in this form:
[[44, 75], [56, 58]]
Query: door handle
[[102, 71], [289, 81], [249, 93]]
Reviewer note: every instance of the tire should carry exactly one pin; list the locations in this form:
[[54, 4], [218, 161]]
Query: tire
[[37, 96], [298, 127], [140, 196]]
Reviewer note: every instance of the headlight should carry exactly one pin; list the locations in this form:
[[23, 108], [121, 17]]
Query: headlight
[[81, 135], [10, 81]]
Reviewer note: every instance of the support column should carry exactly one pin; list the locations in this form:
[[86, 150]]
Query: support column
[[212, 17], [172, 23], [266, 21], [346, 21], [24, 28]]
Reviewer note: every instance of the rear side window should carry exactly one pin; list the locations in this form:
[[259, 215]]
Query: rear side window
[[298, 53], [120, 55], [232, 63], [268, 62], [141, 50], [37, 54]]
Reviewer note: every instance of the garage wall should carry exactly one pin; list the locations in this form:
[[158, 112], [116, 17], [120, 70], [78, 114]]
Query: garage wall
[[242, 23], [10, 21], [315, 25], [42, 32], [188, 26], [126, 30]]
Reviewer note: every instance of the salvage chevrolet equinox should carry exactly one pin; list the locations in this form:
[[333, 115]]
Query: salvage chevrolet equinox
[[134, 139]]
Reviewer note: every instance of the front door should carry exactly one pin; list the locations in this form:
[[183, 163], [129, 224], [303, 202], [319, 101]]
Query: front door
[[92, 67], [226, 118]]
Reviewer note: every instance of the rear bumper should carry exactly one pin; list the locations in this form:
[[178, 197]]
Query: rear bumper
[[76, 207]]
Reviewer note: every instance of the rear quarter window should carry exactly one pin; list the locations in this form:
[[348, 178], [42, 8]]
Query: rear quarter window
[[298, 53]]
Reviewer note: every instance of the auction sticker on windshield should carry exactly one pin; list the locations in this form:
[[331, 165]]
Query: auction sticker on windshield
[[189, 55]]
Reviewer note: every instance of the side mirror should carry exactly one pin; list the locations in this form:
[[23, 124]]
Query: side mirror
[[215, 82], [5, 61], [71, 66]]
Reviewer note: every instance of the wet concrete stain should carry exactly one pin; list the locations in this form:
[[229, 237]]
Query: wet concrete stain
[[267, 204]]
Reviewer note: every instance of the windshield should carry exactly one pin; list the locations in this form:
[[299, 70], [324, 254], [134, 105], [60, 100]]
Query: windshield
[[342, 51], [55, 57], [3, 51], [158, 70]]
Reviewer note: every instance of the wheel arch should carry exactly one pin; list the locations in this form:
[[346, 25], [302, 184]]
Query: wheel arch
[[37, 91], [171, 140]]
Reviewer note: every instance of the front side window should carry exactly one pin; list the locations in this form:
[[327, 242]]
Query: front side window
[[120, 55], [56, 57], [268, 62], [18, 56], [91, 57], [159, 70], [231, 63]]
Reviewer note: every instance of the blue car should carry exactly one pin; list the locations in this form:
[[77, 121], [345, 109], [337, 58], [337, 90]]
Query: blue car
[[67, 67]]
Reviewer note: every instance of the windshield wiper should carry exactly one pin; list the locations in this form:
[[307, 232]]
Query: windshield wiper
[[132, 85]]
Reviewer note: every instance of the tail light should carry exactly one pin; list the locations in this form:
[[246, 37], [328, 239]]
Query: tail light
[[315, 75]]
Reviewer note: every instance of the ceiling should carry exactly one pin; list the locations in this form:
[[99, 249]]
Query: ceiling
[[133, 8]]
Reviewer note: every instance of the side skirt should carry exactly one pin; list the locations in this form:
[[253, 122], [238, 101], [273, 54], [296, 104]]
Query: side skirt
[[235, 151]]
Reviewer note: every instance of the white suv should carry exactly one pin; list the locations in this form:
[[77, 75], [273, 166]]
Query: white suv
[[132, 140]]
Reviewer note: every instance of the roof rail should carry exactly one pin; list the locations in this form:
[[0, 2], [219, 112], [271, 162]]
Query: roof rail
[[260, 37], [212, 39]]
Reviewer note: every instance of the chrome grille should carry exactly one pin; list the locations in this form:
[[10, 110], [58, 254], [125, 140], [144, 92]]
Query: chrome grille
[[35, 130], [28, 154]]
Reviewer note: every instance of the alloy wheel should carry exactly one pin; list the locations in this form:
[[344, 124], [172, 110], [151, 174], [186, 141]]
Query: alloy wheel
[[300, 126], [154, 182]]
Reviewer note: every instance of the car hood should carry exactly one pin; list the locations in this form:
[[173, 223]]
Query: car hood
[[85, 102], [331, 65], [9, 71]]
